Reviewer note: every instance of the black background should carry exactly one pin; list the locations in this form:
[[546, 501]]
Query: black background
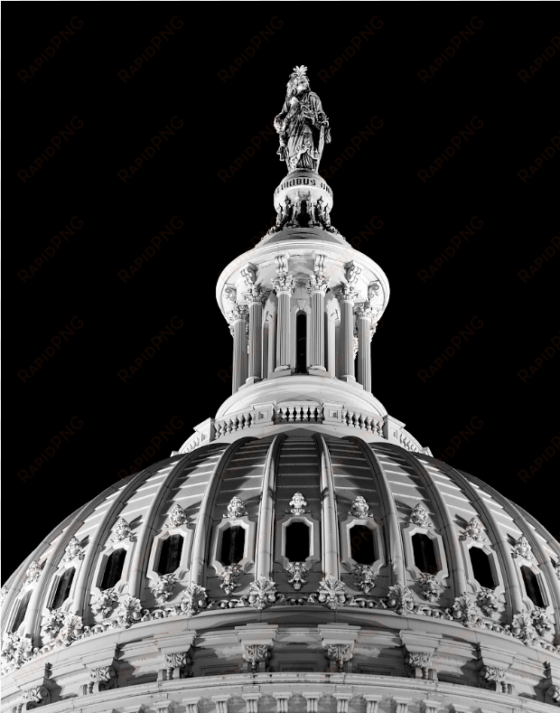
[[182, 383]]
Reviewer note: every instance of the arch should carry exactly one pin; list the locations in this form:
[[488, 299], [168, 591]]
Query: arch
[[301, 343]]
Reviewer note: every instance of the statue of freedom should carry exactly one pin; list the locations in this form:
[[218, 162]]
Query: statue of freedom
[[302, 125]]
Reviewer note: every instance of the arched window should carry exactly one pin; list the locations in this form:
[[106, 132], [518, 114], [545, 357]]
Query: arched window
[[301, 343], [482, 570], [233, 545], [532, 588], [21, 611], [424, 553], [297, 542], [170, 554], [63, 588], [362, 549], [113, 568]]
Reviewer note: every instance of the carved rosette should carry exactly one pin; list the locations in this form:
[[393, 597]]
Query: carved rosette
[[230, 577], [474, 530], [419, 516], [366, 577], [73, 551], [359, 508], [33, 572], [400, 598], [420, 661], [430, 588], [332, 593], [262, 593], [162, 588], [104, 603], [465, 611], [297, 504], [339, 653], [522, 548], [284, 283], [297, 572], [128, 611], [194, 599], [121, 531], [177, 516], [487, 601], [256, 654], [236, 508]]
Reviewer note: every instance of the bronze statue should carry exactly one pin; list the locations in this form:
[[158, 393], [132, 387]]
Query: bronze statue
[[302, 125]]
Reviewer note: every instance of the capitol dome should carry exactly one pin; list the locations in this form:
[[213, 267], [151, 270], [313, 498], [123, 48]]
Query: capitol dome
[[302, 551]]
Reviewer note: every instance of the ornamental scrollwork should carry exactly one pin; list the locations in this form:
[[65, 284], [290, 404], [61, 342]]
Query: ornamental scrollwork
[[128, 611], [121, 531], [430, 588], [52, 625], [297, 572], [465, 611], [73, 551], [339, 653], [400, 598], [365, 575], [332, 593], [162, 588], [104, 603], [523, 629], [177, 660], [419, 516], [522, 548], [16, 651], [177, 516], [33, 572], [474, 530], [541, 621], [262, 593], [193, 600], [236, 508], [487, 601], [421, 660], [255, 654], [359, 508], [230, 577], [495, 677], [297, 504]]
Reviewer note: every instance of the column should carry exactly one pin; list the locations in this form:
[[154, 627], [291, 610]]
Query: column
[[364, 316], [237, 320], [284, 288], [255, 298], [347, 296], [317, 288]]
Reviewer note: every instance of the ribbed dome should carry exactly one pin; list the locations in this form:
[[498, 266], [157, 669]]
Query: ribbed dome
[[387, 530]]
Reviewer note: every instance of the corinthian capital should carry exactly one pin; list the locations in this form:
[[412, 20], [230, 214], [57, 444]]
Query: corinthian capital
[[365, 311], [347, 293], [284, 283], [255, 295], [237, 313], [317, 283]]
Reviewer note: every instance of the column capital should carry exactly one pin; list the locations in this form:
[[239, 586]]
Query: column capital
[[364, 310], [238, 313], [284, 284], [256, 295], [317, 283], [347, 293]]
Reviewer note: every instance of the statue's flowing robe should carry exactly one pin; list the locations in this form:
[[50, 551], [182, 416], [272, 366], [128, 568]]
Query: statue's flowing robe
[[302, 133]]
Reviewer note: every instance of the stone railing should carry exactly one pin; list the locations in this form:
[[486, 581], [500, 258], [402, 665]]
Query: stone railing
[[270, 415]]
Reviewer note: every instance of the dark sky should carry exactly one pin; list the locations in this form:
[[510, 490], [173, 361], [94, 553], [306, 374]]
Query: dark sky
[[421, 74]]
